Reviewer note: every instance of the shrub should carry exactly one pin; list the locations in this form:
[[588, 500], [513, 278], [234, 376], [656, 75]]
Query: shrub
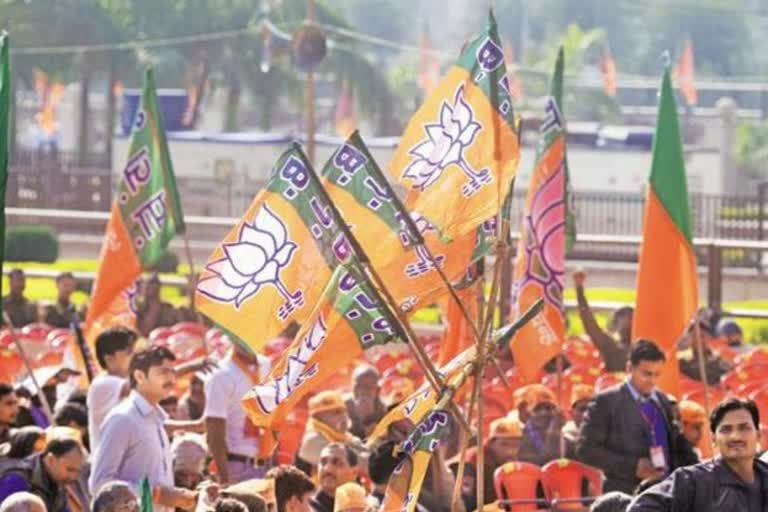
[[31, 243]]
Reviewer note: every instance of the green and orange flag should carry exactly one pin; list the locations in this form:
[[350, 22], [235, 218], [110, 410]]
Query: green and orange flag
[[545, 235], [405, 484], [272, 267], [667, 281], [349, 318], [460, 151], [146, 215], [5, 118], [393, 239]]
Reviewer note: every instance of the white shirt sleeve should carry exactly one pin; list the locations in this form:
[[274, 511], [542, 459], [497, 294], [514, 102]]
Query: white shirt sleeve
[[217, 395], [116, 437]]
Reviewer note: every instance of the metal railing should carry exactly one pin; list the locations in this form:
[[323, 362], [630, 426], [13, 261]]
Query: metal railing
[[206, 232]]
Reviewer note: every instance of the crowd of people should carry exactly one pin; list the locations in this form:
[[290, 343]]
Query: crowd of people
[[149, 427]]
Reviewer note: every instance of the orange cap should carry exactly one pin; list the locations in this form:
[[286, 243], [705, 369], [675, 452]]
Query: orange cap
[[349, 496], [326, 401], [582, 392], [540, 395], [506, 427], [691, 412], [527, 394]]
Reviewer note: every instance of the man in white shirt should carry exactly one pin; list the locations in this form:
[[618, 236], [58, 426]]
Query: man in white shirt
[[232, 438], [133, 442], [114, 348]]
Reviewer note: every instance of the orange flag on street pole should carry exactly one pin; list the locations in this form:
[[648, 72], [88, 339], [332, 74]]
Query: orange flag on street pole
[[685, 74]]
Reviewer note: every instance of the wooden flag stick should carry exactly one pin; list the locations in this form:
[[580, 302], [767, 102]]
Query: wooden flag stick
[[702, 363], [43, 399], [403, 326], [418, 239], [191, 274], [422, 357], [492, 303]]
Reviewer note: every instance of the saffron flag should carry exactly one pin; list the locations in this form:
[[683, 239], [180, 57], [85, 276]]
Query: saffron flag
[[272, 267], [423, 400], [404, 485], [540, 264], [429, 63], [375, 216], [458, 334], [515, 83], [460, 151], [685, 74], [5, 118], [608, 69], [145, 217], [349, 318], [667, 281], [345, 111]]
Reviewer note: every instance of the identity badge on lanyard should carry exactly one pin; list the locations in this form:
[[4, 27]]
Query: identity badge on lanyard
[[658, 458]]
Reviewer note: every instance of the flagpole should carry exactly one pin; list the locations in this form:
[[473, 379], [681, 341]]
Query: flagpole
[[404, 327], [191, 273], [702, 364], [43, 399], [419, 240]]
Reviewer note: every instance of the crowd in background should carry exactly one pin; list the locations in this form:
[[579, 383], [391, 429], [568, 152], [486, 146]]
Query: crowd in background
[[150, 415]]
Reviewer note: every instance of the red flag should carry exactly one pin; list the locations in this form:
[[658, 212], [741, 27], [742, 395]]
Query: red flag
[[685, 77]]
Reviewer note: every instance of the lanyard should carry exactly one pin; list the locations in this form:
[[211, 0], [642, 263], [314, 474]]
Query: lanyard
[[648, 420]]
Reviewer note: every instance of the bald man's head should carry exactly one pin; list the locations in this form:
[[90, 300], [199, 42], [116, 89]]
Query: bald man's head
[[23, 502]]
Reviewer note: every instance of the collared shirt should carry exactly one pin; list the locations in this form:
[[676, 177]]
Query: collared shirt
[[133, 445], [639, 397]]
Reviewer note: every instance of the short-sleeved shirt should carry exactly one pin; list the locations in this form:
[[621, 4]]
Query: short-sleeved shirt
[[103, 396], [223, 391]]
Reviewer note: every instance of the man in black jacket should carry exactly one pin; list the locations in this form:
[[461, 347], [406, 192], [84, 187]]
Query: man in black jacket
[[734, 481], [629, 432]]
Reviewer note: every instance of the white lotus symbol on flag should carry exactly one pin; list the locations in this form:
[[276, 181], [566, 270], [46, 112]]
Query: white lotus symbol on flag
[[447, 139], [254, 260]]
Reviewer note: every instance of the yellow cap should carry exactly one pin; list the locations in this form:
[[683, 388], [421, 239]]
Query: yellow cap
[[326, 401], [506, 427], [349, 496], [691, 412]]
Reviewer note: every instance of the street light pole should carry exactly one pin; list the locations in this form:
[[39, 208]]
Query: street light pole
[[309, 96]]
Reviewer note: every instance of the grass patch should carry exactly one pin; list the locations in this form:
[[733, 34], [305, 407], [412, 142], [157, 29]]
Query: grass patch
[[44, 290]]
